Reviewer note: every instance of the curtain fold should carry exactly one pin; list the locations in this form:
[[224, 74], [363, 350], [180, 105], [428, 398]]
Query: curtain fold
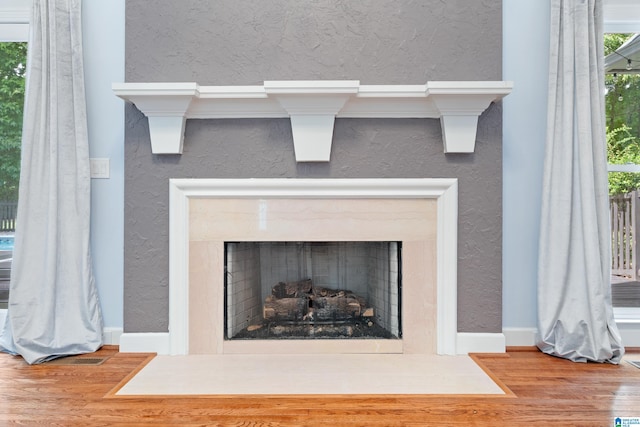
[[575, 314], [53, 301]]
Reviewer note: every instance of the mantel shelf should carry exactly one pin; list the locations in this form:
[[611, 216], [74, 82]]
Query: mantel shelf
[[312, 107]]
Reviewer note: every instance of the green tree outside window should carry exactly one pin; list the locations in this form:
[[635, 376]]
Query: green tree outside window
[[12, 85], [622, 106]]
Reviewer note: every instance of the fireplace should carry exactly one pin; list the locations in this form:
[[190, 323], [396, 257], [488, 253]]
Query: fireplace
[[416, 218], [311, 108], [312, 290]]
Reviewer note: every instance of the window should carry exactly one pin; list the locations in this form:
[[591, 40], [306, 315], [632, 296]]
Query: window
[[622, 109], [622, 106], [13, 54]]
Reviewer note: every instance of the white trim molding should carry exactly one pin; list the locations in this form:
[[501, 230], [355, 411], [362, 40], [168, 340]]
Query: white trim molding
[[145, 342], [629, 167], [15, 15], [628, 321], [445, 191], [3, 317], [478, 342], [466, 342], [111, 335], [14, 23], [630, 332], [520, 337], [312, 107], [621, 16], [628, 326]]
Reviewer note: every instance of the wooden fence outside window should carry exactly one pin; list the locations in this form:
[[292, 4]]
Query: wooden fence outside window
[[8, 216], [625, 244]]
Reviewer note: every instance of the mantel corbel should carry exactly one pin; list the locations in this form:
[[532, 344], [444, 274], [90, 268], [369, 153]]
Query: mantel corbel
[[459, 105], [312, 107]]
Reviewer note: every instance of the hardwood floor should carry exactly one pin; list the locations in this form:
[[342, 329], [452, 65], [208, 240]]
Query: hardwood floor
[[545, 391]]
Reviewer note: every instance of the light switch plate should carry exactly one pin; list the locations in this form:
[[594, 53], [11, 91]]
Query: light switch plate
[[99, 168]]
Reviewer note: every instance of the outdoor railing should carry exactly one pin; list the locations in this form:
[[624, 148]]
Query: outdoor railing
[[8, 216], [625, 246]]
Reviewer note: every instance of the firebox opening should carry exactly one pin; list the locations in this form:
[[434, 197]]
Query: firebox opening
[[313, 290]]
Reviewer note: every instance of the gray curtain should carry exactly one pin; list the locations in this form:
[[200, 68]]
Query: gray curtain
[[53, 302], [575, 314]]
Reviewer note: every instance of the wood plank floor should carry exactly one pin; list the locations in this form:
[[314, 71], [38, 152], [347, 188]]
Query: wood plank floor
[[546, 391]]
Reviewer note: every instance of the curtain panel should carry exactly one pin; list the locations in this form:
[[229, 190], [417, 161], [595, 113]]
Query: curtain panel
[[575, 314], [53, 302]]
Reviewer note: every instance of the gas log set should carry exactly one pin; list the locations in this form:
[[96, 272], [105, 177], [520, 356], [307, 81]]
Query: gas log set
[[302, 301], [302, 310]]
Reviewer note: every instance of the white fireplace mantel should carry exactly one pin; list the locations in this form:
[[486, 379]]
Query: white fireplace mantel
[[312, 107]]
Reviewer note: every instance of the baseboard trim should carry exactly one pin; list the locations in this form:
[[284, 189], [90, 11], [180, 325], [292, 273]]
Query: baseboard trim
[[466, 342], [630, 333], [111, 335], [480, 342], [524, 337], [520, 337], [145, 342], [155, 342]]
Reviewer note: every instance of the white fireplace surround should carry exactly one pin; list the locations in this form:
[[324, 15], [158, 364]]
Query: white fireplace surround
[[312, 106], [443, 191]]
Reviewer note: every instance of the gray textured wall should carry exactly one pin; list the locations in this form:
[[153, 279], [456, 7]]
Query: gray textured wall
[[242, 42]]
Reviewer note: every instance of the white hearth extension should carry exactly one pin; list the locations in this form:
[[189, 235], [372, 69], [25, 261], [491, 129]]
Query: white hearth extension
[[191, 203]]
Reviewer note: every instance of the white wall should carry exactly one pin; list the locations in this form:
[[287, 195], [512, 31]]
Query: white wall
[[103, 42], [525, 62]]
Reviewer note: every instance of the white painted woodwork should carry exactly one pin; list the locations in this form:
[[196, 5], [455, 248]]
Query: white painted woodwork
[[312, 107], [196, 250]]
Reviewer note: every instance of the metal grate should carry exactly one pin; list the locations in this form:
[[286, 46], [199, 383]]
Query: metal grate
[[90, 361]]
